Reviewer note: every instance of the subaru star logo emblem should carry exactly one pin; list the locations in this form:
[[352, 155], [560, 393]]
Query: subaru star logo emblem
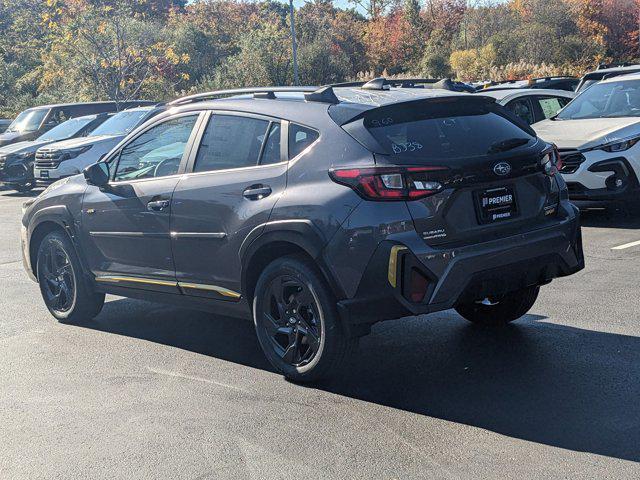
[[502, 169]]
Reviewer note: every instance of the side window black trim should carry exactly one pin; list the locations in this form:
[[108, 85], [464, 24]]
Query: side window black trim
[[115, 158], [272, 124]]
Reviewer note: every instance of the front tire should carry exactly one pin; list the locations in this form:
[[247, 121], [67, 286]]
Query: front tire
[[66, 292], [498, 311], [24, 188], [297, 322]]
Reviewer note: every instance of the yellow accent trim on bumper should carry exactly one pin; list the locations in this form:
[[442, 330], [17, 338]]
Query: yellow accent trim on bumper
[[118, 279], [212, 288], [393, 264]]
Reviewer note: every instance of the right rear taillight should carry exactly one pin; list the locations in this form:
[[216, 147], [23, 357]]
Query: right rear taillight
[[551, 161], [391, 183]]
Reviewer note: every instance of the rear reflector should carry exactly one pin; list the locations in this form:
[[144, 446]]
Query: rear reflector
[[418, 285], [391, 183]]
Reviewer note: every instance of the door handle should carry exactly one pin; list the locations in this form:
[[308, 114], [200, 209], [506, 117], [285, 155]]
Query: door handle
[[157, 205], [257, 192]]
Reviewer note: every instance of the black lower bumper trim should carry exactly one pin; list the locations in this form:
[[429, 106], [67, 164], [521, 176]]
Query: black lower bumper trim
[[546, 256]]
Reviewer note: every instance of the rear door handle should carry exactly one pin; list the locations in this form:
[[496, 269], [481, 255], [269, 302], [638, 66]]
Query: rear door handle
[[256, 192], [157, 205]]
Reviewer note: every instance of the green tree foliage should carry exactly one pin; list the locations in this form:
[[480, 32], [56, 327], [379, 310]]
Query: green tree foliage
[[52, 50]]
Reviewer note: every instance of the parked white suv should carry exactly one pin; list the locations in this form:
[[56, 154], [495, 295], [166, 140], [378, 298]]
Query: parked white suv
[[70, 157], [597, 135]]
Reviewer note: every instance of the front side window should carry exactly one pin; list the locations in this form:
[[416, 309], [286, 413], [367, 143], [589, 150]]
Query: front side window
[[231, 142], [157, 152]]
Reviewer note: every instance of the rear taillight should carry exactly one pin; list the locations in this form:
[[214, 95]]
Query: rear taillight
[[551, 161], [391, 183]]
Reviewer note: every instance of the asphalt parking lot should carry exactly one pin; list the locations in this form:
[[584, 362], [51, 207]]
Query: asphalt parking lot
[[149, 391]]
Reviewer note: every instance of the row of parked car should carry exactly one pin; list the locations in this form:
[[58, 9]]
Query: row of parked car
[[47, 143], [318, 212]]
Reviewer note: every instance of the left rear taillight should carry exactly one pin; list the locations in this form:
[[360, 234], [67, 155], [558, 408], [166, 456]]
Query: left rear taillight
[[391, 183]]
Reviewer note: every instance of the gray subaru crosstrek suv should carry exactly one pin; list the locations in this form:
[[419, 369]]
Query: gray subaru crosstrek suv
[[316, 212]]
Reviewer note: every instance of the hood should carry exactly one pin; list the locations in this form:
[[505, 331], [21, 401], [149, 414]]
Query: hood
[[9, 137], [83, 141], [588, 132], [23, 147]]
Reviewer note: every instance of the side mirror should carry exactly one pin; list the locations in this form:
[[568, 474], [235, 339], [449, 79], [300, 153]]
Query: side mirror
[[97, 174]]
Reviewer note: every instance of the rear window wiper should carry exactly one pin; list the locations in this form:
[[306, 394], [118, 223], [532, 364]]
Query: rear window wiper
[[509, 144]]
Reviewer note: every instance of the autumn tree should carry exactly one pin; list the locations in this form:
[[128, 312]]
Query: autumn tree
[[106, 52]]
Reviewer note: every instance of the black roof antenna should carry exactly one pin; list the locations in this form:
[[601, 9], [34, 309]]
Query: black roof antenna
[[379, 83], [323, 95]]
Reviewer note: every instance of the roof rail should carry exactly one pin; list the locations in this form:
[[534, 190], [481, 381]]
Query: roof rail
[[263, 92]]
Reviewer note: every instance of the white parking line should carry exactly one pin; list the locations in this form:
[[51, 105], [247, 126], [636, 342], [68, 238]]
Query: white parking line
[[626, 245]]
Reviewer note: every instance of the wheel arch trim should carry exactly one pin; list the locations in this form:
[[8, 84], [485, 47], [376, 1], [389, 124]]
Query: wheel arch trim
[[302, 234], [60, 216]]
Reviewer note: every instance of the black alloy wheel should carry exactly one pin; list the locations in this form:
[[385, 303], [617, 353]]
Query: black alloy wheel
[[58, 279], [292, 321], [297, 322], [67, 293]]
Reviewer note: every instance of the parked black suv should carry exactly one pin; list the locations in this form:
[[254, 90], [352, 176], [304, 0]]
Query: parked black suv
[[33, 122], [317, 213], [17, 159]]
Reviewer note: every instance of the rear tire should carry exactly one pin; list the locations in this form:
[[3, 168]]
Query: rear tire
[[297, 322], [66, 292], [502, 310]]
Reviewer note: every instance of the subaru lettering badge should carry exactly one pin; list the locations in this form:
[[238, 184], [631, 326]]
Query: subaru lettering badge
[[502, 169]]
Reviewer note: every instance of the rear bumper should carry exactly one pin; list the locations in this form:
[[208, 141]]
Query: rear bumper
[[464, 274]]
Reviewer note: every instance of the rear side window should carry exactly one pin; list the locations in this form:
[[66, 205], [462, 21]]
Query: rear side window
[[523, 109], [231, 142], [300, 138], [446, 129], [550, 106], [271, 150]]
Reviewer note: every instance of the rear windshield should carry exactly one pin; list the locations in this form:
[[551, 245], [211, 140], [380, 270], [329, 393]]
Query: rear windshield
[[446, 130]]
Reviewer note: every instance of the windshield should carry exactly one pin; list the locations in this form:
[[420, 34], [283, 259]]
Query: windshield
[[28, 121], [446, 131], [605, 100], [67, 129], [121, 123]]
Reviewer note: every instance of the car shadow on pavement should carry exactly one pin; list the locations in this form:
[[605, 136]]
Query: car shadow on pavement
[[561, 386], [601, 218]]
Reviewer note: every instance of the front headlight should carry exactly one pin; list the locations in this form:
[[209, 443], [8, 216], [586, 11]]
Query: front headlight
[[620, 146], [17, 157], [74, 152]]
